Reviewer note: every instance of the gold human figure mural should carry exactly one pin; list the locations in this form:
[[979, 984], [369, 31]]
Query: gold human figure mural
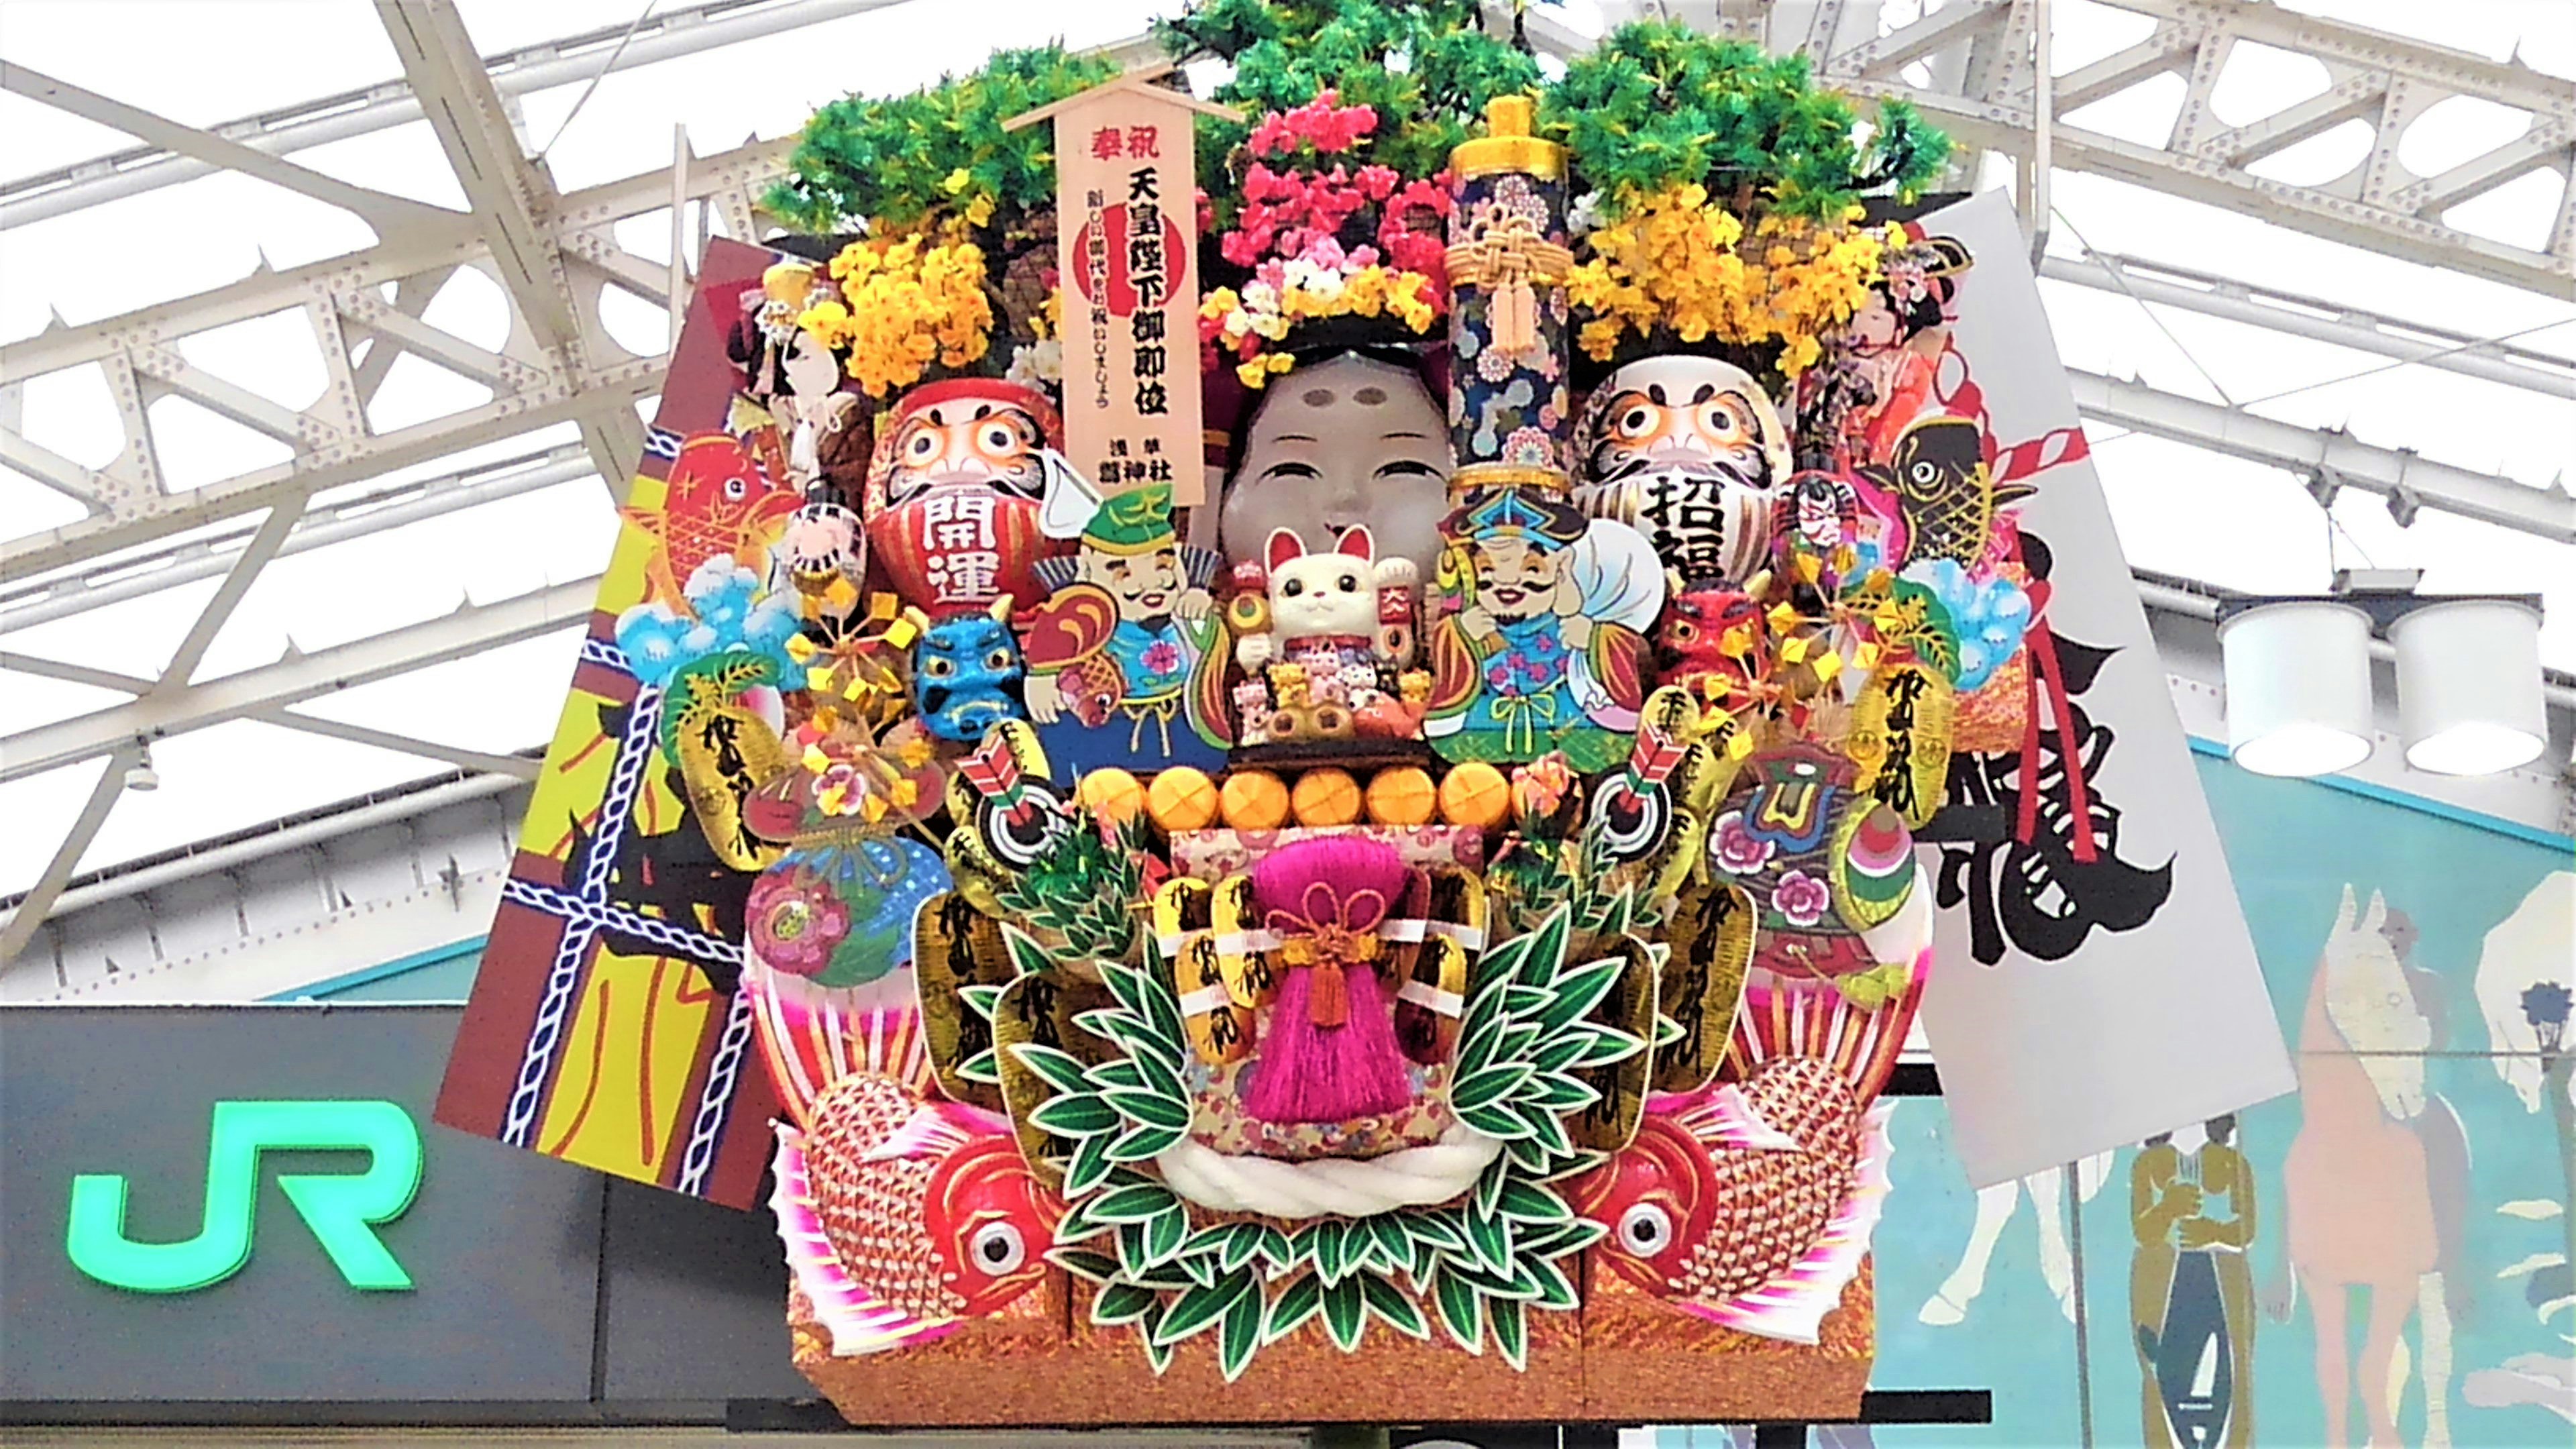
[[2191, 1293]]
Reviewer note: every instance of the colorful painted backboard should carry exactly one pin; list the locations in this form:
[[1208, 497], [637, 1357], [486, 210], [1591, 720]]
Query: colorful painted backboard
[[605, 1027]]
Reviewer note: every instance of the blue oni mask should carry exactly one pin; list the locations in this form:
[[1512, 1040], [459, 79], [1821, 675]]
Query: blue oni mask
[[966, 676]]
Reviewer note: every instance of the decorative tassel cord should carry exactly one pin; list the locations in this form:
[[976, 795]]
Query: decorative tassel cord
[[1347, 1187]]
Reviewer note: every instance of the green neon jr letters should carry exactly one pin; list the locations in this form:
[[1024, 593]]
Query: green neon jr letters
[[340, 1209]]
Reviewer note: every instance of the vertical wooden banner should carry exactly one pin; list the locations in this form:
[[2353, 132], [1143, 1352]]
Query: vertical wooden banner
[[1127, 246]]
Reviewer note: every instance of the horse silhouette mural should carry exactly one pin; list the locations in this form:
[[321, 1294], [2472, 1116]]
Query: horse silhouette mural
[[2374, 1190]]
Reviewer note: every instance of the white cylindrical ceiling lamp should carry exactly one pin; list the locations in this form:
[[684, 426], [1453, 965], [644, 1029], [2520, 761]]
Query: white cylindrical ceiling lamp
[[2298, 687], [2469, 698]]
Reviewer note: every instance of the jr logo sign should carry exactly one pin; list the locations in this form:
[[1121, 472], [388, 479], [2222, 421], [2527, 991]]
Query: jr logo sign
[[340, 1208]]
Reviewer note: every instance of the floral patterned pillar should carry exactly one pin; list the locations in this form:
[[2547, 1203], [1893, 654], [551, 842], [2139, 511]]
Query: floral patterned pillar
[[1507, 311]]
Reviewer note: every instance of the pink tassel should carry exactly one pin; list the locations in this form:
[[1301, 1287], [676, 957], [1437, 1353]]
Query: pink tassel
[[1325, 1059], [1311, 1073]]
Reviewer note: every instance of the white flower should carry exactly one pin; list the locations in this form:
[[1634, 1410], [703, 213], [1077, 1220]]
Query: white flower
[[1037, 362], [1584, 214]]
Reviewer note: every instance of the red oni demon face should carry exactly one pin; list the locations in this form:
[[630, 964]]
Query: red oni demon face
[[953, 515]]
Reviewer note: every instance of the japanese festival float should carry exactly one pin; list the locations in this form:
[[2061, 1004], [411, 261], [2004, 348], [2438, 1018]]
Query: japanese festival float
[[1257, 758]]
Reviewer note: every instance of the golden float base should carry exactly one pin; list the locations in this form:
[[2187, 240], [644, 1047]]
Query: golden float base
[[1625, 1358]]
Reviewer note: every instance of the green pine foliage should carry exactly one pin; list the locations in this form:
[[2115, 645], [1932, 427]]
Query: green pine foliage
[[1657, 105], [1426, 66], [864, 161], [1084, 891]]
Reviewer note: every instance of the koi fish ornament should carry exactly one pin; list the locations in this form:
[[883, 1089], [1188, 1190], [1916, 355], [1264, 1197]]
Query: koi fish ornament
[[1750, 1203], [904, 1214], [718, 501]]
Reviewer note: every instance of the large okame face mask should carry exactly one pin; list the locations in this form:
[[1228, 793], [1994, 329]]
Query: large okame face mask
[[1336, 445]]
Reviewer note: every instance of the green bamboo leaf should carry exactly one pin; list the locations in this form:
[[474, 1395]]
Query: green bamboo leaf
[[1395, 1246], [1295, 1304], [1563, 1238], [1129, 986], [1557, 1092], [1478, 1048], [1108, 1022], [1390, 1303], [980, 1000], [1489, 1191], [1121, 1303], [1200, 1308], [984, 1066], [1528, 1155], [1162, 1078], [1077, 1114], [1332, 1249], [1133, 1204], [1165, 1233], [1241, 1335], [1061, 1069], [1159, 1355], [1242, 1244], [1462, 1310], [1546, 950], [1027, 957], [1079, 1225], [1132, 1260], [1118, 1072], [1580, 990], [1520, 1042], [1556, 1054], [1094, 1267], [1490, 1240], [1275, 1247], [1555, 1290], [1345, 1313], [1150, 1108], [1493, 1084], [1435, 1232], [1495, 1121], [1511, 1332], [1546, 1128], [1521, 1001], [1530, 1203], [1090, 1166]]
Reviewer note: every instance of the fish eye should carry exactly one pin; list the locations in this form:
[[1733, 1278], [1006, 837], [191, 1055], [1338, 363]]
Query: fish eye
[[1350, 583], [735, 487], [1925, 472], [998, 659], [996, 1248], [1645, 1230], [1293, 587]]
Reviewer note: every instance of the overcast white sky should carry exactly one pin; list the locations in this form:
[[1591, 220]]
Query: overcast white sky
[[2180, 510]]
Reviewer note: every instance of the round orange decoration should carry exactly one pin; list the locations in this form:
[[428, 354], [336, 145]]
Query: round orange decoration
[[1325, 797], [1475, 794], [1254, 800], [1181, 799], [1402, 796], [1112, 795]]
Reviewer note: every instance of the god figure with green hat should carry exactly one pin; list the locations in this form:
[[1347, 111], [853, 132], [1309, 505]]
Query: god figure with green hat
[[1126, 657]]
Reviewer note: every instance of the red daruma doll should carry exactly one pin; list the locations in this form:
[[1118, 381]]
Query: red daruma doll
[[952, 499]]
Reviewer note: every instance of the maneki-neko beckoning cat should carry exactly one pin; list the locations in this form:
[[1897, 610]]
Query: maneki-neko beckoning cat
[[1383, 878]]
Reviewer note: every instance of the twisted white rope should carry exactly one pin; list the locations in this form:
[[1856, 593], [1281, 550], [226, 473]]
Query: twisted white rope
[[1345, 1187]]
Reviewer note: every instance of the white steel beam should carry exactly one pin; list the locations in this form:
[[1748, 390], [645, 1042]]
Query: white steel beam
[[296, 678], [571, 60], [58, 872], [514, 198], [2388, 81], [2331, 456], [39, 601], [2323, 321], [517, 767]]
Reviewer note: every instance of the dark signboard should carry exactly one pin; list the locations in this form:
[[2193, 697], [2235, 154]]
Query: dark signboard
[[250, 1206]]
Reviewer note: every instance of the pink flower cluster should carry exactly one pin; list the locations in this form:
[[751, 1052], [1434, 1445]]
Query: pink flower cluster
[[1320, 123], [1285, 212]]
